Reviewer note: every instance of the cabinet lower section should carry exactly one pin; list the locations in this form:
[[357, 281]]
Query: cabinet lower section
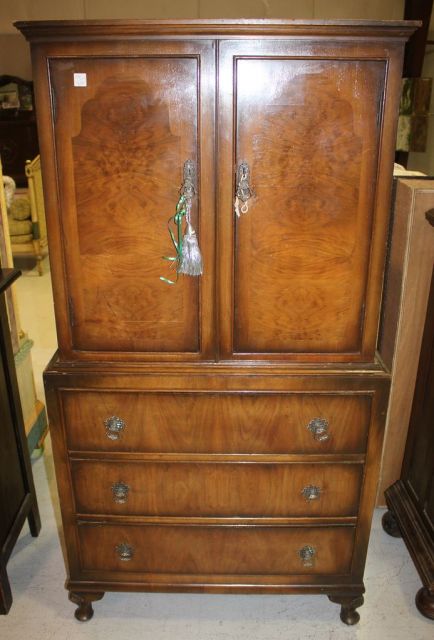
[[218, 480]]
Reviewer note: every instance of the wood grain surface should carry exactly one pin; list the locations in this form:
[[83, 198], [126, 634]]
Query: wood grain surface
[[408, 280], [309, 131], [121, 142], [128, 134], [219, 489], [301, 273], [215, 550], [216, 423]]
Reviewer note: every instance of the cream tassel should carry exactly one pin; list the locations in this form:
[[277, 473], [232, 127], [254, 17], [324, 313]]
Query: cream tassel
[[191, 258]]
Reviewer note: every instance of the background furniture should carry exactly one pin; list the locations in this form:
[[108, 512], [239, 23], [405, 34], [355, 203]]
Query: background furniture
[[28, 233], [17, 492], [408, 278], [18, 132], [221, 434], [411, 498], [34, 414]]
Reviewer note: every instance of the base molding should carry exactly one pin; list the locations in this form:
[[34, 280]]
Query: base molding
[[83, 594]]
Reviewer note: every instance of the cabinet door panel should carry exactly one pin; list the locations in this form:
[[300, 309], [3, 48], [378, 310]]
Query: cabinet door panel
[[122, 140], [309, 127]]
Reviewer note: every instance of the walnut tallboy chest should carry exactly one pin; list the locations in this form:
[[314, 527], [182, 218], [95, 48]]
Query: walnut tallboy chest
[[222, 433]]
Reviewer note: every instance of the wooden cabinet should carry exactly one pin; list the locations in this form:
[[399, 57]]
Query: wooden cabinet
[[17, 492], [406, 292], [222, 433], [411, 498]]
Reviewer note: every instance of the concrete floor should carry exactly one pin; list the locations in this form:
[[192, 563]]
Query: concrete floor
[[41, 610]]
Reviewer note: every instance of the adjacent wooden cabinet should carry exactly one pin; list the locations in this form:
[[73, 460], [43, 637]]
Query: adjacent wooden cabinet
[[18, 501], [223, 433], [411, 498]]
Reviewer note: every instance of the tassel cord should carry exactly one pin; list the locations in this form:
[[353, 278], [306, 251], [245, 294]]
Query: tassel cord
[[188, 258], [181, 211]]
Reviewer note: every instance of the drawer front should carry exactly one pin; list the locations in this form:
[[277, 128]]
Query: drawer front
[[216, 423], [239, 550], [216, 489]]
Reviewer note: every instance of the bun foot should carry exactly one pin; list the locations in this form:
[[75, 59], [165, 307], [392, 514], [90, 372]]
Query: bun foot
[[425, 602], [84, 611], [349, 604], [5, 591], [390, 525]]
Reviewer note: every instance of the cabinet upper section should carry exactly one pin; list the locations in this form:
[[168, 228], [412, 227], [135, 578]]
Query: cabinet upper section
[[289, 124]]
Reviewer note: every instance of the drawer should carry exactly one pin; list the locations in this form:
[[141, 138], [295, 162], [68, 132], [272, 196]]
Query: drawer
[[216, 422], [239, 550], [216, 489]]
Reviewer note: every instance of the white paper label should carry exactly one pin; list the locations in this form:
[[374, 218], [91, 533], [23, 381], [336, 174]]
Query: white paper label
[[80, 80]]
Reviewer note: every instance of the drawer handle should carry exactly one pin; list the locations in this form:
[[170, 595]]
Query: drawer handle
[[113, 427], [124, 551], [311, 492], [307, 555], [319, 428], [120, 492]]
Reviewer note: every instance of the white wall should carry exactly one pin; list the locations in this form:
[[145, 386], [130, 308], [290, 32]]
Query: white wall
[[425, 161], [15, 59]]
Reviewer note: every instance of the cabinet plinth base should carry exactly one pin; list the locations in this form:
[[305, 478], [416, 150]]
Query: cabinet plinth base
[[348, 614]]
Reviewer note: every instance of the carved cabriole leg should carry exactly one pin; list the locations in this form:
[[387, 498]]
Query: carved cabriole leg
[[390, 525], [84, 600], [425, 602], [349, 604]]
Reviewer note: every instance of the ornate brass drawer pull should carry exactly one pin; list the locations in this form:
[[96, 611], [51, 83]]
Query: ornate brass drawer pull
[[113, 427], [307, 555], [120, 492], [311, 492], [319, 428], [124, 551]]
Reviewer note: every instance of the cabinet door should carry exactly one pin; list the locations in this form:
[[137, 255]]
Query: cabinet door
[[301, 271], [126, 119]]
